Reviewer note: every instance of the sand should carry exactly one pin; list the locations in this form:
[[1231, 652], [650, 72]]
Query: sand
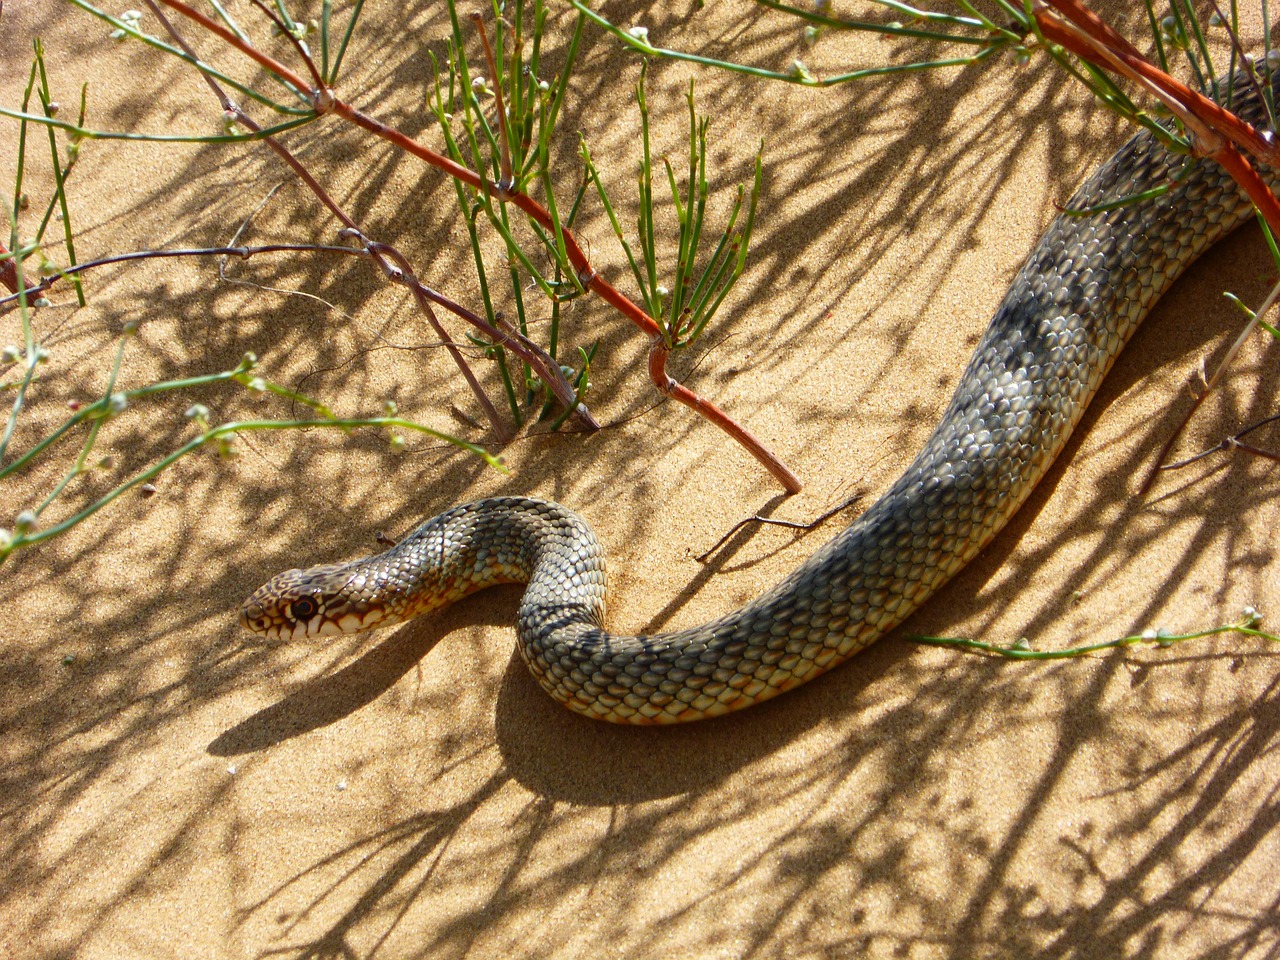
[[171, 787]]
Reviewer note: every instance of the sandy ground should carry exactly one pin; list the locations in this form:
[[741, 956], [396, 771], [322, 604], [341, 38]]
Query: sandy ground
[[170, 788]]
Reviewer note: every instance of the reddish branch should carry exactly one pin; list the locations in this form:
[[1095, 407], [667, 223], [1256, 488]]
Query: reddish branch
[[324, 101], [244, 253], [589, 279], [381, 254], [8, 271], [658, 352], [1216, 132]]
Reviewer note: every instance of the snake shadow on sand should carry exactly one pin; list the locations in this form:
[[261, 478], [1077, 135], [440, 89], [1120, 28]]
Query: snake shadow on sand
[[549, 750]]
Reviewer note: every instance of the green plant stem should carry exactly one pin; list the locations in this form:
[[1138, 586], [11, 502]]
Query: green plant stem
[[819, 19], [79, 466], [101, 408], [15, 209], [1245, 627], [30, 357], [356, 10], [36, 536], [240, 43], [60, 173], [78, 132], [1002, 40]]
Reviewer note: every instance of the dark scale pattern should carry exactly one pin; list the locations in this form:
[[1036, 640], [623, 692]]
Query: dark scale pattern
[[1072, 307]]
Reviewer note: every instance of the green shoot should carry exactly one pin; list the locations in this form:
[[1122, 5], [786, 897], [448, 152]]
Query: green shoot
[[1247, 626]]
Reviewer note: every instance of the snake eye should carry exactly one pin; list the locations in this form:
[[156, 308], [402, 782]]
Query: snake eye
[[302, 608]]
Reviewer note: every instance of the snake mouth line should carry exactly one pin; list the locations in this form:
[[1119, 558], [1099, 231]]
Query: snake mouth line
[[321, 625], [325, 601]]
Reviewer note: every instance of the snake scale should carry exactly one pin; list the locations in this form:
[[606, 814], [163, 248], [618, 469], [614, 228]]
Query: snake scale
[[1074, 304]]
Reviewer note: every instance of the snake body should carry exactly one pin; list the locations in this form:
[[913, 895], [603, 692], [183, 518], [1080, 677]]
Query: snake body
[[1076, 301]]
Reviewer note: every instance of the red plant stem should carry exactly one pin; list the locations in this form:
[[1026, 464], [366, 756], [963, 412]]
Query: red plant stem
[[1090, 45], [1094, 25], [8, 272], [586, 273], [1088, 37], [324, 102], [658, 352], [504, 151], [263, 60], [1190, 105], [1237, 164], [594, 282]]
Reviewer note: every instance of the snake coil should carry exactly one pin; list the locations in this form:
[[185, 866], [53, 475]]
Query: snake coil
[[1072, 307]]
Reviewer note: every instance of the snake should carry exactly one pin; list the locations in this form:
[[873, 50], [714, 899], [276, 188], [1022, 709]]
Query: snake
[[1092, 278]]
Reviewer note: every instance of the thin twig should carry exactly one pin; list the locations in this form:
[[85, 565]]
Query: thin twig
[[789, 524], [1256, 451], [317, 81], [547, 369], [504, 146], [243, 253], [1208, 388], [1229, 443]]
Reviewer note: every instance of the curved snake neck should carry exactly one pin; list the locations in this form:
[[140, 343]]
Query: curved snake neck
[[1076, 301]]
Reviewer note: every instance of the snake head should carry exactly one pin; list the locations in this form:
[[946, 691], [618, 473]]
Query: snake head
[[327, 600]]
